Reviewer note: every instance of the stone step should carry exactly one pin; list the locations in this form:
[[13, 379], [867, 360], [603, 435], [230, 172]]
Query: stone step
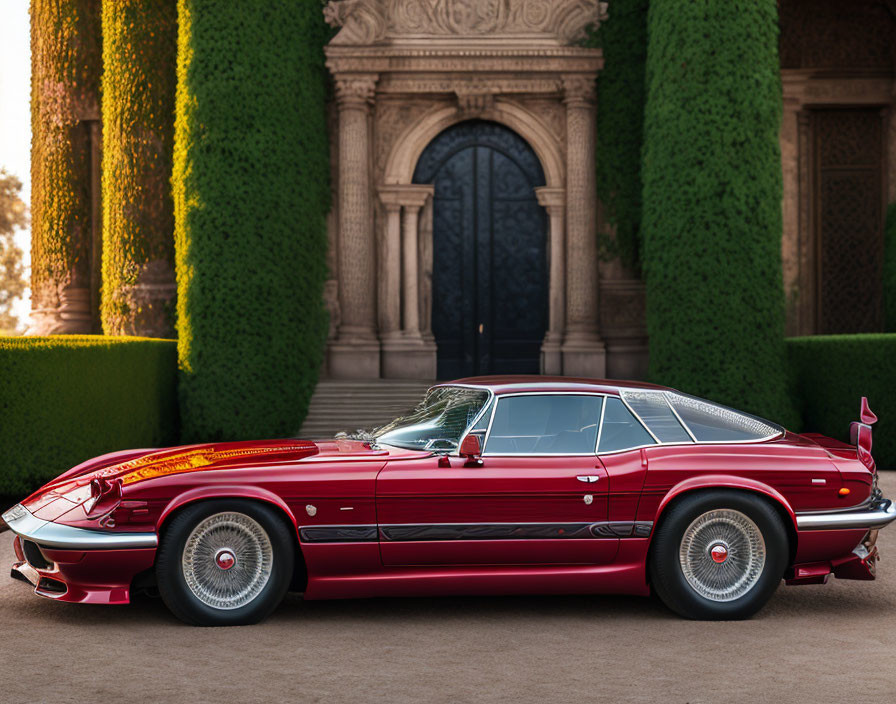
[[349, 405]]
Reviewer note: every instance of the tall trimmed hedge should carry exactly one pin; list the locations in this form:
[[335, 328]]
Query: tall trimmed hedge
[[65, 399], [139, 77], [712, 203], [832, 372], [250, 199], [66, 62], [620, 122]]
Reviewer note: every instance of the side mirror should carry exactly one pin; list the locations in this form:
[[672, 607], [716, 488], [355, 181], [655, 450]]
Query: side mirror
[[471, 449]]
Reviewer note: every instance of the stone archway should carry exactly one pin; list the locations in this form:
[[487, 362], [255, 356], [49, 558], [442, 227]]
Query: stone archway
[[405, 70]]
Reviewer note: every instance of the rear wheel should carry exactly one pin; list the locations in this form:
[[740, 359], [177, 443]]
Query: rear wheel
[[719, 555], [225, 563]]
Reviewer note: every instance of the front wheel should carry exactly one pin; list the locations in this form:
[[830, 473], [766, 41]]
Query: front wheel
[[719, 555], [225, 563]]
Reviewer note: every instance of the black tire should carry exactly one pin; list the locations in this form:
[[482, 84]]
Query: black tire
[[179, 597], [666, 572]]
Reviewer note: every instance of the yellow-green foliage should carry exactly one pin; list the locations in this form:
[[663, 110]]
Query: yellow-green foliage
[[832, 372], [139, 56], [712, 203], [65, 399], [66, 65], [250, 199]]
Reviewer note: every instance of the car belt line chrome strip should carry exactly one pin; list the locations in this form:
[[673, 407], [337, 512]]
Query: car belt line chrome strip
[[432, 532]]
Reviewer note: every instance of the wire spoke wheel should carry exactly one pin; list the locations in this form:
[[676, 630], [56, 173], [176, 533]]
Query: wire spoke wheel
[[227, 560], [722, 554]]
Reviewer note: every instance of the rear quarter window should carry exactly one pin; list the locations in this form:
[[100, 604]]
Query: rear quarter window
[[711, 422], [620, 429]]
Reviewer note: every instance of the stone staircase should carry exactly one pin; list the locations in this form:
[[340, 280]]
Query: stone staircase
[[353, 404]]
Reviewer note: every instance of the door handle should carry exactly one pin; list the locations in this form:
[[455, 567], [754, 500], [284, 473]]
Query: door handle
[[588, 478]]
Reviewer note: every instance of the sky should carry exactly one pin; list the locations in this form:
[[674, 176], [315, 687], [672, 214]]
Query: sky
[[15, 116]]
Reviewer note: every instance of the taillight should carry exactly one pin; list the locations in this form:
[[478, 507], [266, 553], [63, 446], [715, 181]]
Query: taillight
[[860, 434]]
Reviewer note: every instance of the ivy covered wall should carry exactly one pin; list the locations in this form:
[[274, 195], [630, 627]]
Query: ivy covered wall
[[620, 123], [250, 198], [139, 77], [712, 203]]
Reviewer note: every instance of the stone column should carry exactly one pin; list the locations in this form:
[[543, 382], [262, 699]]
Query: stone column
[[139, 80], [806, 248], [410, 310], [554, 201], [408, 356], [390, 272], [790, 244], [356, 352], [66, 63], [583, 351]]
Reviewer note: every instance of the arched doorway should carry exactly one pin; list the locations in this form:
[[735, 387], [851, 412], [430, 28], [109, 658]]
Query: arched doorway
[[489, 281]]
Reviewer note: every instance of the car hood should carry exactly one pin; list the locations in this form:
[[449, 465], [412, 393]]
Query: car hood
[[131, 468]]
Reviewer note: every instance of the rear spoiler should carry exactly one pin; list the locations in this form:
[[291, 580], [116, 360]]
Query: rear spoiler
[[860, 433]]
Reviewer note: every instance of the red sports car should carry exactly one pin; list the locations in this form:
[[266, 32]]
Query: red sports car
[[490, 486]]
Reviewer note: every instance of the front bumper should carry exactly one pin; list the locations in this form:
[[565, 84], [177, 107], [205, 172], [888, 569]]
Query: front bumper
[[56, 535], [871, 516], [65, 563]]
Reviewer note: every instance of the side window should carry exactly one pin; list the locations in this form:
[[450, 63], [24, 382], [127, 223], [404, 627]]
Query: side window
[[542, 424], [621, 430]]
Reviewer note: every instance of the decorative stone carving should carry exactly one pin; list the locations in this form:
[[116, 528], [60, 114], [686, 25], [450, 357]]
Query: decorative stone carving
[[474, 98], [356, 89], [373, 21]]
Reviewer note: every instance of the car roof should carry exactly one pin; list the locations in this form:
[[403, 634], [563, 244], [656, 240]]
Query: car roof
[[529, 383]]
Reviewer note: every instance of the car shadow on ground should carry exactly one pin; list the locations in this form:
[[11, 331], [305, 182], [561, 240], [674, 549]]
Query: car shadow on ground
[[787, 603]]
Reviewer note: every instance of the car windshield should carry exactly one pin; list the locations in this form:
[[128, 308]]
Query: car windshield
[[437, 423]]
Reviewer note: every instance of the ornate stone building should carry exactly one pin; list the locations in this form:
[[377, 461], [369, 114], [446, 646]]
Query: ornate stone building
[[464, 240], [463, 237]]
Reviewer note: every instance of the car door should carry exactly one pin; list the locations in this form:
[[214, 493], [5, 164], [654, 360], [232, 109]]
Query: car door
[[621, 450], [538, 496]]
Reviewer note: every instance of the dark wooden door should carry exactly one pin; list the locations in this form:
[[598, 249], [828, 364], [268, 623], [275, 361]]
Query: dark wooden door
[[490, 288], [849, 210]]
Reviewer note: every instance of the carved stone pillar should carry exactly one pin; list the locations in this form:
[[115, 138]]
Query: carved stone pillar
[[409, 355], [410, 301], [554, 201], [583, 351], [390, 281], [356, 352]]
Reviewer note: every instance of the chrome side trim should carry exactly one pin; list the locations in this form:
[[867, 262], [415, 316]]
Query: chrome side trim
[[55, 535], [877, 515], [429, 532], [339, 534]]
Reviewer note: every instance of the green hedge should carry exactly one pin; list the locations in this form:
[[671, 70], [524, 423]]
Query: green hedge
[[139, 56], [832, 372], [620, 123], [65, 399], [251, 195], [712, 203]]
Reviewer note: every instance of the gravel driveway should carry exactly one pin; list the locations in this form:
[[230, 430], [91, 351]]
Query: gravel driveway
[[828, 643]]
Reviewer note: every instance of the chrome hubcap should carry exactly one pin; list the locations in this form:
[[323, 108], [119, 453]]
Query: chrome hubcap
[[227, 560], [722, 554]]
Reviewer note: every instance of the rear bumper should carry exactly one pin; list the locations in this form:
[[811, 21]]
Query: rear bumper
[[875, 515]]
